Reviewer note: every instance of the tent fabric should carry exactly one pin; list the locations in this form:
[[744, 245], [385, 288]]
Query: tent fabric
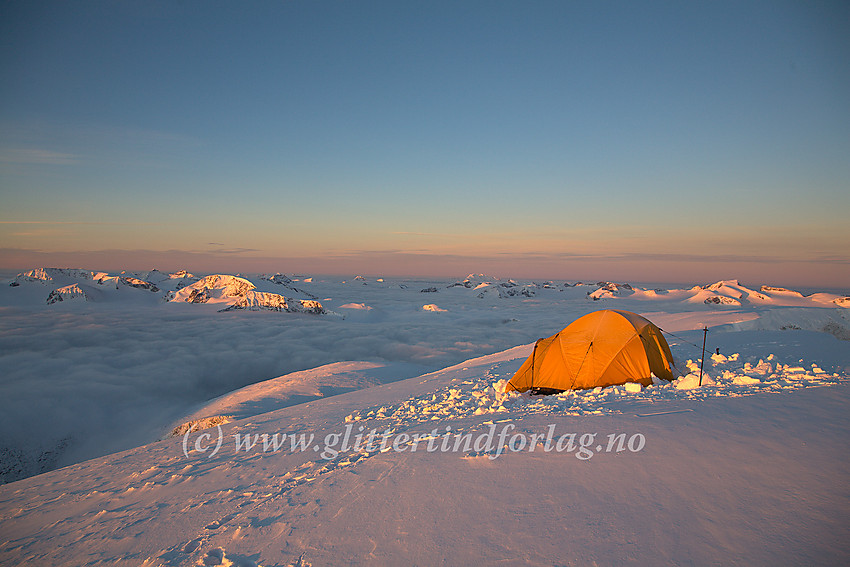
[[603, 348]]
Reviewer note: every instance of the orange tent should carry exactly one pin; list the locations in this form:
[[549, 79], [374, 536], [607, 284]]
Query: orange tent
[[603, 348]]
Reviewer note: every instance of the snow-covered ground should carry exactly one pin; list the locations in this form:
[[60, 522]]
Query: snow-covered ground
[[366, 424]]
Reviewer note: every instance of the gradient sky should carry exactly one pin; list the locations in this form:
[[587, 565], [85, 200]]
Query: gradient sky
[[643, 141]]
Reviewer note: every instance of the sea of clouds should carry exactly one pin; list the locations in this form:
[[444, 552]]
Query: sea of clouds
[[83, 380], [80, 379]]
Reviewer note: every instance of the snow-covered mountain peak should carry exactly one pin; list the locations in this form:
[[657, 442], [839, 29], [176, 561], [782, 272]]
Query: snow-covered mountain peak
[[277, 278], [151, 275], [780, 290], [726, 292], [234, 292], [38, 274], [214, 287], [721, 284], [485, 287], [129, 281], [180, 274], [258, 300], [68, 292], [608, 290], [45, 275]]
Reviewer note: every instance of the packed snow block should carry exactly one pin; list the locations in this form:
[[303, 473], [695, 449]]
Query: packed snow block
[[693, 380]]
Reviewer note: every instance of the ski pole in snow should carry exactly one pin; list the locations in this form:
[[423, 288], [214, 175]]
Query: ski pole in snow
[[702, 360]]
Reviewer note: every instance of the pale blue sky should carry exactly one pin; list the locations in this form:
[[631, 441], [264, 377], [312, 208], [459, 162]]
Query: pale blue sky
[[678, 140]]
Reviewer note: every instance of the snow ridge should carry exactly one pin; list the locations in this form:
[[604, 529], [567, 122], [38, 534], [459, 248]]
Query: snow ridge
[[238, 293], [68, 292], [485, 394]]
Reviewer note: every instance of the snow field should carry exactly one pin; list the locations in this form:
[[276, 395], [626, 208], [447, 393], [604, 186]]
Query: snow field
[[747, 469]]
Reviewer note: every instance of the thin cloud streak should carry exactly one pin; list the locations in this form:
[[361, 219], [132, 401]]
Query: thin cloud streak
[[713, 258], [93, 223], [34, 156], [426, 254], [772, 270]]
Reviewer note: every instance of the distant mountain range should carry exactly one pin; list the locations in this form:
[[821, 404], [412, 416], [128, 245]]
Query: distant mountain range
[[234, 292], [225, 291]]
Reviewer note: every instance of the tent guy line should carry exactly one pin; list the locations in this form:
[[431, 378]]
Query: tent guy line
[[662, 412]]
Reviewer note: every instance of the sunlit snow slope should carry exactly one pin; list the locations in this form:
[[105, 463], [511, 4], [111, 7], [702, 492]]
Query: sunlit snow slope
[[96, 362], [747, 469]]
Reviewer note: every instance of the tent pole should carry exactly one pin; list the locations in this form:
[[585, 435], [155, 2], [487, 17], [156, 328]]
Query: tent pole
[[533, 360], [702, 360]]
